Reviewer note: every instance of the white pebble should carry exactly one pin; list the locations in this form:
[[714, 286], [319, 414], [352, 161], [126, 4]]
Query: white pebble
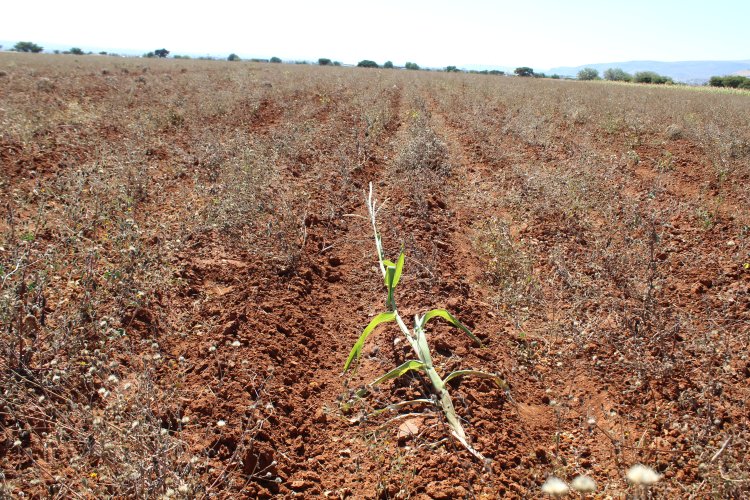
[[640, 474], [555, 487]]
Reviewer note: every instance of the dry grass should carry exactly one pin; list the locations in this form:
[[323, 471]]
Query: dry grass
[[608, 225]]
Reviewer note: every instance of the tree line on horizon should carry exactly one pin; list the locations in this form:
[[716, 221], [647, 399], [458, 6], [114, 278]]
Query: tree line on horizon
[[585, 74], [620, 75]]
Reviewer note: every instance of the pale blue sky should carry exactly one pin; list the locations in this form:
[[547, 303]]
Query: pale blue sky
[[541, 33]]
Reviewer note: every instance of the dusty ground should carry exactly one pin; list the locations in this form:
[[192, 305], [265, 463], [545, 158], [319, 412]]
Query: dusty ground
[[186, 263]]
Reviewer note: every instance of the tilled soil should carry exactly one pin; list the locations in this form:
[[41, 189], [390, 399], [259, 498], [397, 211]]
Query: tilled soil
[[197, 236]]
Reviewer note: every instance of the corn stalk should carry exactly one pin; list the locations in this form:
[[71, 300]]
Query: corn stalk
[[417, 339]]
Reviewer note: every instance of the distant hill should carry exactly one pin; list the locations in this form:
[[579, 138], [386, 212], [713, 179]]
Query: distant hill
[[695, 72]]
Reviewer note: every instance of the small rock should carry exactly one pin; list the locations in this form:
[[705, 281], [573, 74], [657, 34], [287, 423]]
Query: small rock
[[708, 283], [408, 429], [439, 491], [300, 485]]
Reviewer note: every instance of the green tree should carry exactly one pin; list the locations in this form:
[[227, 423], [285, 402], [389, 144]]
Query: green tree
[[388, 65], [524, 71], [588, 74], [27, 47], [233, 57], [651, 77], [733, 81], [275, 60], [161, 53], [617, 75], [452, 69], [76, 51], [324, 61], [366, 63], [716, 81], [411, 65]]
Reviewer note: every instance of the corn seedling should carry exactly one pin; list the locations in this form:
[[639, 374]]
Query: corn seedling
[[417, 339]]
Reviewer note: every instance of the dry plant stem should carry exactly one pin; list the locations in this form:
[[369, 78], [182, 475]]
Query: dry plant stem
[[419, 345]]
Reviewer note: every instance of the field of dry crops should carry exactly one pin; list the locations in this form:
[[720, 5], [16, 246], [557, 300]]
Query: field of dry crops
[[186, 262]]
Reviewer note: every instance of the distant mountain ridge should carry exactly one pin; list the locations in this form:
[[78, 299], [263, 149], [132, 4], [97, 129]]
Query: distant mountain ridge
[[695, 72]]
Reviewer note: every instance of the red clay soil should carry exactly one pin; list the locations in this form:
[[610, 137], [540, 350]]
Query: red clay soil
[[629, 346]]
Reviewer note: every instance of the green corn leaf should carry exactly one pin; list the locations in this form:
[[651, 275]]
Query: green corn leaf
[[442, 313], [423, 348], [501, 384], [400, 370], [357, 349], [390, 271], [399, 268]]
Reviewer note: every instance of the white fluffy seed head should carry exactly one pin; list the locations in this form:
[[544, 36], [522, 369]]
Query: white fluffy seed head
[[640, 474], [584, 484], [555, 487]]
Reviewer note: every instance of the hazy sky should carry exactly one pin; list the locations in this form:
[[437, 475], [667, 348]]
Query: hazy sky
[[537, 33]]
